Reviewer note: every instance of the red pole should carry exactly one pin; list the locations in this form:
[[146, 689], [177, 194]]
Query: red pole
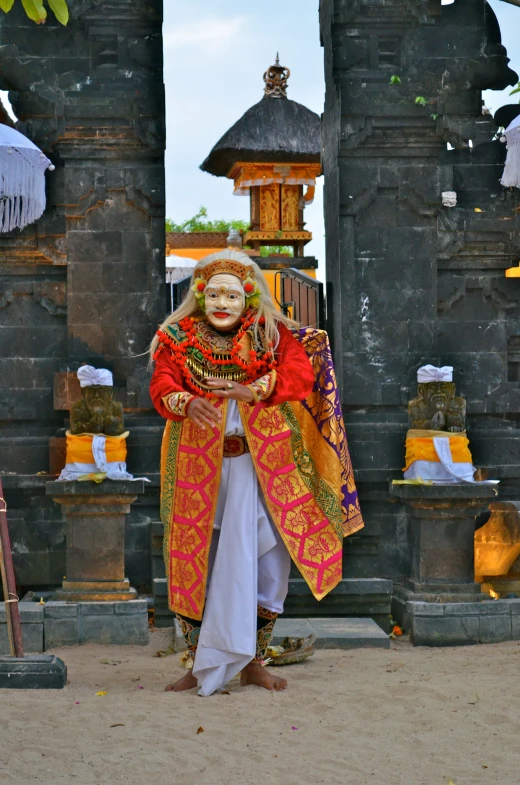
[[12, 611]]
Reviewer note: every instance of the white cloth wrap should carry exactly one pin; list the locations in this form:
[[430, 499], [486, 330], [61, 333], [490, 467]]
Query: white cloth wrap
[[115, 470], [511, 175], [449, 198], [429, 373], [89, 376], [249, 565], [446, 471]]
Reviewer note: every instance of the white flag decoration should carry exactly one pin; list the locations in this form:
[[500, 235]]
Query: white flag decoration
[[22, 180], [511, 176]]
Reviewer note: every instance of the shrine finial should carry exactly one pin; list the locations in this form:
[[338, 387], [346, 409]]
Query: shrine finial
[[275, 79]]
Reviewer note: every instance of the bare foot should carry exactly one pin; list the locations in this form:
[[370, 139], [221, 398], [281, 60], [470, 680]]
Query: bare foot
[[188, 682], [254, 673]]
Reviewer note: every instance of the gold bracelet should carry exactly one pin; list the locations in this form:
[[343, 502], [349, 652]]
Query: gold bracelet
[[256, 397], [263, 388], [177, 402]]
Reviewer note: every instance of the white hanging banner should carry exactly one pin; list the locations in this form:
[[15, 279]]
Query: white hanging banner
[[22, 180], [511, 176]]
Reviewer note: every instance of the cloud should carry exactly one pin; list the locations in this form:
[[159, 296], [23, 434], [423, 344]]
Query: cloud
[[213, 33]]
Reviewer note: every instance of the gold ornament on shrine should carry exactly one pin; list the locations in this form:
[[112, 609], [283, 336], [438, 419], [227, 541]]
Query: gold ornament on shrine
[[276, 78]]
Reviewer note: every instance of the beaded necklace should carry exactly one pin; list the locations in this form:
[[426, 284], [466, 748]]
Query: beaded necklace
[[197, 359]]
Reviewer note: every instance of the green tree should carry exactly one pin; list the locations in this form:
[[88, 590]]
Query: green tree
[[267, 250], [37, 11], [201, 223]]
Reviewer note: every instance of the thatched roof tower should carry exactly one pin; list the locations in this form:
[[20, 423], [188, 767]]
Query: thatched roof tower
[[275, 130], [271, 153]]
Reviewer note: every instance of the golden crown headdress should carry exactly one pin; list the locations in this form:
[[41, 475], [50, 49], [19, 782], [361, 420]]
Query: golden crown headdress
[[232, 262], [238, 269]]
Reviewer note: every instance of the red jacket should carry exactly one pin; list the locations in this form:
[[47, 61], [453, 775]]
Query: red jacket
[[294, 375]]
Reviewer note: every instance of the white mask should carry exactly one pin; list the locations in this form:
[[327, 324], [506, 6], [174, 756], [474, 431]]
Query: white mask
[[224, 300]]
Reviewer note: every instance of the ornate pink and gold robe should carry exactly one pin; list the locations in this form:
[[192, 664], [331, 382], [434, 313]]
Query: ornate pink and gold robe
[[300, 455]]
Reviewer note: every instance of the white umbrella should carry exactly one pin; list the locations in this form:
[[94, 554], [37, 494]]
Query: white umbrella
[[178, 267], [511, 176], [22, 180]]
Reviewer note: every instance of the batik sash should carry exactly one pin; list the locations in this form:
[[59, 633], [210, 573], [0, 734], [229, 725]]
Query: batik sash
[[331, 454]]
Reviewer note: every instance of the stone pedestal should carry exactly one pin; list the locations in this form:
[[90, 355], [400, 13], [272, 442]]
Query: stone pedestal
[[33, 673], [442, 533], [95, 515]]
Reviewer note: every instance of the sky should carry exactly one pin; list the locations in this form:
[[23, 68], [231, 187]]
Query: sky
[[216, 52]]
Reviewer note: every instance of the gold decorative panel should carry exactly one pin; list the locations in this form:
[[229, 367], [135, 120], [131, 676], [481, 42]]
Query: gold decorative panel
[[290, 207], [270, 207]]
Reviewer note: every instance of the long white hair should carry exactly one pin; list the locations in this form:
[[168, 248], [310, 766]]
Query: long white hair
[[266, 309]]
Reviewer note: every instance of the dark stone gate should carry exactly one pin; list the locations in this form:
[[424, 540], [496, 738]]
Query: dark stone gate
[[86, 282], [420, 282]]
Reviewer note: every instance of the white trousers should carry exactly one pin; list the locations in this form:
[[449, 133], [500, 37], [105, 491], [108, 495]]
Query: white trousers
[[249, 566]]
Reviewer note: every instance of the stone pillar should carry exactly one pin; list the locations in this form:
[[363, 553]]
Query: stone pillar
[[90, 273], [442, 533], [411, 281], [95, 556]]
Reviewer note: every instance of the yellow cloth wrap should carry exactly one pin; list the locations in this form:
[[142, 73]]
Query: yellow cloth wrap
[[79, 448], [420, 447]]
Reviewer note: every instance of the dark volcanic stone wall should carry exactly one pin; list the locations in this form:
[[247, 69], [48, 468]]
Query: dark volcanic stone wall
[[86, 282], [420, 283]]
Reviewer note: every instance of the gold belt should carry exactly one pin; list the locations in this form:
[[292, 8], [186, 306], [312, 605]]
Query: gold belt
[[234, 446]]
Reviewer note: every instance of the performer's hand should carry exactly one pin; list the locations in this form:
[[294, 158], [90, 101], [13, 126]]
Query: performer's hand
[[202, 413], [233, 390]]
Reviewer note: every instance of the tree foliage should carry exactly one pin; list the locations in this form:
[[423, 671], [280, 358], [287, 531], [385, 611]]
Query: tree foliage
[[201, 223], [36, 10]]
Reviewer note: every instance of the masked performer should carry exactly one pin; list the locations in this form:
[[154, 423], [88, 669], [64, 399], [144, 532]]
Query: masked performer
[[254, 468]]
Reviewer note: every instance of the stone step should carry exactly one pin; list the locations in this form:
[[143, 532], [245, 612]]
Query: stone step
[[164, 621], [337, 633], [69, 624], [463, 623], [352, 598]]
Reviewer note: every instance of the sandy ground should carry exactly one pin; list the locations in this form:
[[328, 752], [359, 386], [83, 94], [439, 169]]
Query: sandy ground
[[400, 717]]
